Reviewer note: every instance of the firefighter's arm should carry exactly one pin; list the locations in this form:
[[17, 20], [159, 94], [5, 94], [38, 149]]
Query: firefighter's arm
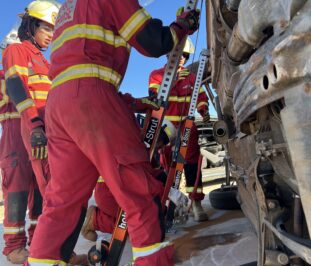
[[154, 83], [139, 105], [202, 105], [15, 65], [148, 35], [16, 73]]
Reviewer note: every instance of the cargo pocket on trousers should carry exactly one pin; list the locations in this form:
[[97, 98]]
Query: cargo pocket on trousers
[[7, 165]]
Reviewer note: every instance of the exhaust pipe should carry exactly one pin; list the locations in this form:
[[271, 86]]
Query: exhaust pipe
[[220, 131]]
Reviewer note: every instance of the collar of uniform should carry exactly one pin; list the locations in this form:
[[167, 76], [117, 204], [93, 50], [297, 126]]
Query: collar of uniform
[[31, 47]]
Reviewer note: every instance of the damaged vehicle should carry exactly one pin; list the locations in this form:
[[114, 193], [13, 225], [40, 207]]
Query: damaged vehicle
[[260, 68]]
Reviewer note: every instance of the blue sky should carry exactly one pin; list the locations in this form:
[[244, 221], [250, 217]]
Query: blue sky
[[136, 78]]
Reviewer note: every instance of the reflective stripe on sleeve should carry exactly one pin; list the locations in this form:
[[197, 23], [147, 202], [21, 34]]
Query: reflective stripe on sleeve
[[148, 250], [155, 86], [134, 23], [174, 36], [16, 70], [202, 104], [22, 106]]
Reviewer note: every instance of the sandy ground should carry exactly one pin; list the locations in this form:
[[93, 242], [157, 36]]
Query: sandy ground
[[226, 239]]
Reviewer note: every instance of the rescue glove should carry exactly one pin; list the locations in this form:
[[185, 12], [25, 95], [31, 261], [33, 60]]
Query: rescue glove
[[142, 105], [182, 74], [186, 23], [38, 142], [190, 18], [205, 115]]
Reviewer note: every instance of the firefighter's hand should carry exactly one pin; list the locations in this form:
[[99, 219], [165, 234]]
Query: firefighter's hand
[[38, 142], [142, 105], [206, 118], [205, 114], [182, 74], [190, 18]]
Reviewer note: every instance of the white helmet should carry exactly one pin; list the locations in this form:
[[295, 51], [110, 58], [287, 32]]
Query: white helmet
[[44, 10], [10, 38], [170, 130], [189, 47]]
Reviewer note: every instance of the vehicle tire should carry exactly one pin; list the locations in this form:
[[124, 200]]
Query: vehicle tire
[[224, 198]]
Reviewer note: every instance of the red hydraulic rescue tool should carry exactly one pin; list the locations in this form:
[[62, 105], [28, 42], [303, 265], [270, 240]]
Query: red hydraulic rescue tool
[[181, 145], [110, 256]]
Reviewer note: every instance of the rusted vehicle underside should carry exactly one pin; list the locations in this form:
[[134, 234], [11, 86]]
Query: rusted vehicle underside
[[260, 68]]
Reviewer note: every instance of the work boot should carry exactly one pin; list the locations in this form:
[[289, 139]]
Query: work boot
[[18, 256], [199, 214], [87, 230], [78, 260]]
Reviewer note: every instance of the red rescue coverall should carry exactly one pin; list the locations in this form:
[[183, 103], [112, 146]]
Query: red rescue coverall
[[26, 61], [179, 103], [91, 131], [107, 211], [18, 181]]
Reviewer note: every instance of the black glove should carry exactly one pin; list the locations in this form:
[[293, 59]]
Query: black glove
[[38, 142]]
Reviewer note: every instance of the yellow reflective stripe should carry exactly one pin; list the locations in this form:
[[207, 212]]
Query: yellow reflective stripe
[[190, 189], [16, 70], [38, 79], [5, 97], [201, 104], [100, 180], [174, 35], [148, 250], [22, 106], [39, 95], [155, 86], [168, 131], [201, 90], [45, 262], [85, 71], [175, 118], [91, 32], [181, 99], [6, 116], [13, 230], [33, 222], [134, 23]]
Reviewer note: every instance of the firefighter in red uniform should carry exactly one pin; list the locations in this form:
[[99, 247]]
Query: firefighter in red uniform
[[179, 102], [18, 181], [91, 131], [26, 74], [27, 82], [103, 216]]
